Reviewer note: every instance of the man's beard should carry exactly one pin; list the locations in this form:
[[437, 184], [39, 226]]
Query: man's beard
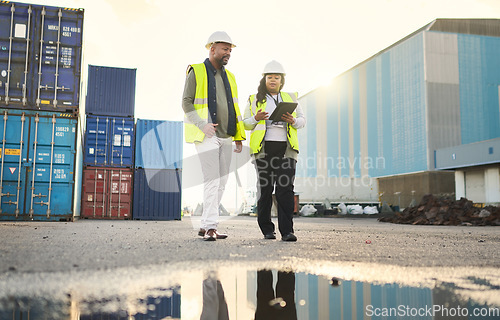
[[222, 61]]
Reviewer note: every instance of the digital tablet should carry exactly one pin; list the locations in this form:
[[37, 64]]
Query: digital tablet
[[281, 109]]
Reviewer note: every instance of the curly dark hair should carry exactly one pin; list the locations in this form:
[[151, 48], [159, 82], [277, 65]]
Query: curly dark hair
[[262, 89]]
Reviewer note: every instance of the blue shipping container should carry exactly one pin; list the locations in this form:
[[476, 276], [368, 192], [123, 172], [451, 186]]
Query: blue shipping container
[[158, 144], [109, 141], [157, 194], [40, 57], [37, 165], [110, 91]]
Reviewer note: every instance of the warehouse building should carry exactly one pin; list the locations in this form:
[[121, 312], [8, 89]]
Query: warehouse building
[[372, 134]]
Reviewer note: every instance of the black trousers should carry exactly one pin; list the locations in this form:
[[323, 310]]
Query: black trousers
[[275, 173], [268, 301]]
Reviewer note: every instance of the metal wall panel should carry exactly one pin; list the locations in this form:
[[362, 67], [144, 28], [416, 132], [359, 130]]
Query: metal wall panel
[[354, 126], [443, 117], [468, 155], [408, 107], [486, 27], [158, 144], [474, 185], [40, 59], [344, 125], [111, 91], [479, 80], [321, 142], [109, 141], [441, 57], [332, 132], [157, 194], [37, 165]]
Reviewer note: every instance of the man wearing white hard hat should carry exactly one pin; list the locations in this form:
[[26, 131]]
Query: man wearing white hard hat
[[212, 122], [274, 146]]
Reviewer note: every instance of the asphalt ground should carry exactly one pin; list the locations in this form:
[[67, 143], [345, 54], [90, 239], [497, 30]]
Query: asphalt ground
[[111, 266], [27, 247]]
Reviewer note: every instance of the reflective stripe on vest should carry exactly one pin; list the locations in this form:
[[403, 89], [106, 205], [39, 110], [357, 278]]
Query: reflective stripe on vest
[[191, 132], [259, 131]]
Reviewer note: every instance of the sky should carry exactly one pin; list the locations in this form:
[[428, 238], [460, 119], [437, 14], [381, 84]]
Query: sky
[[315, 40]]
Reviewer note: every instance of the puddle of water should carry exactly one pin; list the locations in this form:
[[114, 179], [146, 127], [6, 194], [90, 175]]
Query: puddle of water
[[251, 292]]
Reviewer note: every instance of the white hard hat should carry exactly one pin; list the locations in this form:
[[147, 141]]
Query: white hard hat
[[219, 36], [274, 67]]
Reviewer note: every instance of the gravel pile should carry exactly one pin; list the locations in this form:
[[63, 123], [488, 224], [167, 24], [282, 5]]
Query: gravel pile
[[446, 211]]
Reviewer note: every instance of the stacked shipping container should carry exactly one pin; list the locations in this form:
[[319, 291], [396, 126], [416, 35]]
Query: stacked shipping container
[[40, 65], [158, 170], [109, 144]]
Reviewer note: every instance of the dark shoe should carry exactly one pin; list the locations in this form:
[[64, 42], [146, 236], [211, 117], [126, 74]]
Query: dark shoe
[[202, 232], [210, 235], [289, 237], [270, 236]]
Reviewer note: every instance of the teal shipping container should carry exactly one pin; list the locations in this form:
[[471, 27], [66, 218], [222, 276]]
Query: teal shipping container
[[158, 144], [38, 153]]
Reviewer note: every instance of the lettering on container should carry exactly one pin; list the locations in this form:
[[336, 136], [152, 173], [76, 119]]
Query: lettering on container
[[11, 152], [66, 54], [65, 129], [59, 158], [68, 31], [61, 130], [59, 174], [119, 188]]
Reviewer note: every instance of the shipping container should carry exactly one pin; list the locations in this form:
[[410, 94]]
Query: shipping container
[[157, 194], [40, 57], [37, 165], [107, 193], [158, 144], [109, 141], [110, 91]]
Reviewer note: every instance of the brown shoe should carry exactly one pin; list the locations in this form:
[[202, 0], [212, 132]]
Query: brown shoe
[[210, 235], [218, 235]]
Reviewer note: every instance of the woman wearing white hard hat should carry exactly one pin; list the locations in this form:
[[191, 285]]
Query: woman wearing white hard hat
[[274, 147]]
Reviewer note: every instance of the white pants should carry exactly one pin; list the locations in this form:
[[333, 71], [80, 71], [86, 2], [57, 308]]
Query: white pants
[[215, 157]]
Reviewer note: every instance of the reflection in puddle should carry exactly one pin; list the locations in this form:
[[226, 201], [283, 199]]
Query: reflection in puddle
[[240, 293]]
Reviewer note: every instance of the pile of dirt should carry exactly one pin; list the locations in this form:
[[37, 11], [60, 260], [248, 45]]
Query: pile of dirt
[[446, 211]]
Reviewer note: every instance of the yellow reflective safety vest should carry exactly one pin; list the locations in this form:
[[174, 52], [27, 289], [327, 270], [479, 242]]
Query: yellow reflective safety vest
[[259, 131], [191, 132]]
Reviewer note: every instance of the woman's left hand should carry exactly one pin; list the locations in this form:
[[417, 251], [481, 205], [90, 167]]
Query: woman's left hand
[[287, 117]]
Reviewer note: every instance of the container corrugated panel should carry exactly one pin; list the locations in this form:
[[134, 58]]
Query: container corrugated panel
[[157, 194], [111, 91], [40, 57], [37, 165], [157, 308], [109, 141], [107, 193], [158, 144]]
